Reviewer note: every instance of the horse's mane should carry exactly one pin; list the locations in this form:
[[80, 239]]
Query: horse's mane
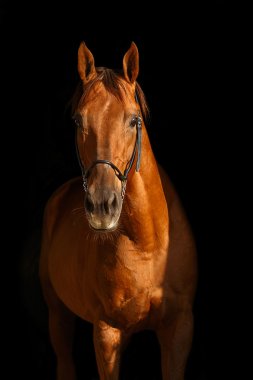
[[113, 82]]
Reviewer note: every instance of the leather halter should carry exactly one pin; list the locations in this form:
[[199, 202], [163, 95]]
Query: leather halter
[[121, 176]]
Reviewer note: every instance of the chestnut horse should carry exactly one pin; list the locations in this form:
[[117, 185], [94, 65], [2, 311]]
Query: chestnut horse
[[117, 248]]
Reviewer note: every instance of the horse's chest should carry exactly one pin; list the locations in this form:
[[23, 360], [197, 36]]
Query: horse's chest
[[125, 292]]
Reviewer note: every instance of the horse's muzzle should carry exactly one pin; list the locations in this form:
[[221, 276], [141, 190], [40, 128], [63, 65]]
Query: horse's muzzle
[[103, 209]]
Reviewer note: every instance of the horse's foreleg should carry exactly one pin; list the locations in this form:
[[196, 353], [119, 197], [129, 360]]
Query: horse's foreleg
[[61, 329], [175, 342], [108, 343]]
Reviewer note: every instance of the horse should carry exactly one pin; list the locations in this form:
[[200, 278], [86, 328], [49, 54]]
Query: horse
[[117, 248]]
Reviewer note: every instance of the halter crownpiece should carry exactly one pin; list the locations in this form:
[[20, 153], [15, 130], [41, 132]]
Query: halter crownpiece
[[121, 176]]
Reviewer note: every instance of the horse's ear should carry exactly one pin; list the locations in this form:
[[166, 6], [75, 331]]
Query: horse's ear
[[86, 65], [131, 63]]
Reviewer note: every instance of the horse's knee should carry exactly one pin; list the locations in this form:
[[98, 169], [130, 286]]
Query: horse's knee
[[107, 342]]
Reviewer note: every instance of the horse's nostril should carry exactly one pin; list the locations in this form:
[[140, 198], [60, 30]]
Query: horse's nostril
[[106, 207], [89, 205], [112, 201], [110, 205]]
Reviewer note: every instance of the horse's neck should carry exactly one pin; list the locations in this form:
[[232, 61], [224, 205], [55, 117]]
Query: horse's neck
[[145, 211]]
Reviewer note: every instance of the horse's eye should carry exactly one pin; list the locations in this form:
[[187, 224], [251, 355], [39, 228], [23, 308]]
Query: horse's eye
[[133, 122], [77, 122]]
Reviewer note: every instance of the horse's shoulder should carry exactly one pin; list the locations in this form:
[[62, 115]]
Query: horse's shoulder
[[66, 193], [71, 186]]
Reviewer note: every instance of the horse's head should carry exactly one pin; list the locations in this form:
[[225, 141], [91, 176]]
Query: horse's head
[[108, 115]]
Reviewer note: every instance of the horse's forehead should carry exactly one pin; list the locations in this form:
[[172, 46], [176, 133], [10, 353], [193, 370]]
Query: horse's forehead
[[102, 100]]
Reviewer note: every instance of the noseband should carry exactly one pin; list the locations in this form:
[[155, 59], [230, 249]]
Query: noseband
[[121, 176]]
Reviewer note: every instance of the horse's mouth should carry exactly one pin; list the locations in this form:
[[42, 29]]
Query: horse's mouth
[[103, 230], [100, 225]]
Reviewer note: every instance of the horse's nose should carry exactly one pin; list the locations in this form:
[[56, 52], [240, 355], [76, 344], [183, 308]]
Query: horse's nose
[[105, 202]]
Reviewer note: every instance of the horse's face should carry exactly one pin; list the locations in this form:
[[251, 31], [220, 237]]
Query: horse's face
[[106, 132]]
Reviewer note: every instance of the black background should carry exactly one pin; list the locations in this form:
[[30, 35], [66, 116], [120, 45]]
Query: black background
[[188, 73]]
